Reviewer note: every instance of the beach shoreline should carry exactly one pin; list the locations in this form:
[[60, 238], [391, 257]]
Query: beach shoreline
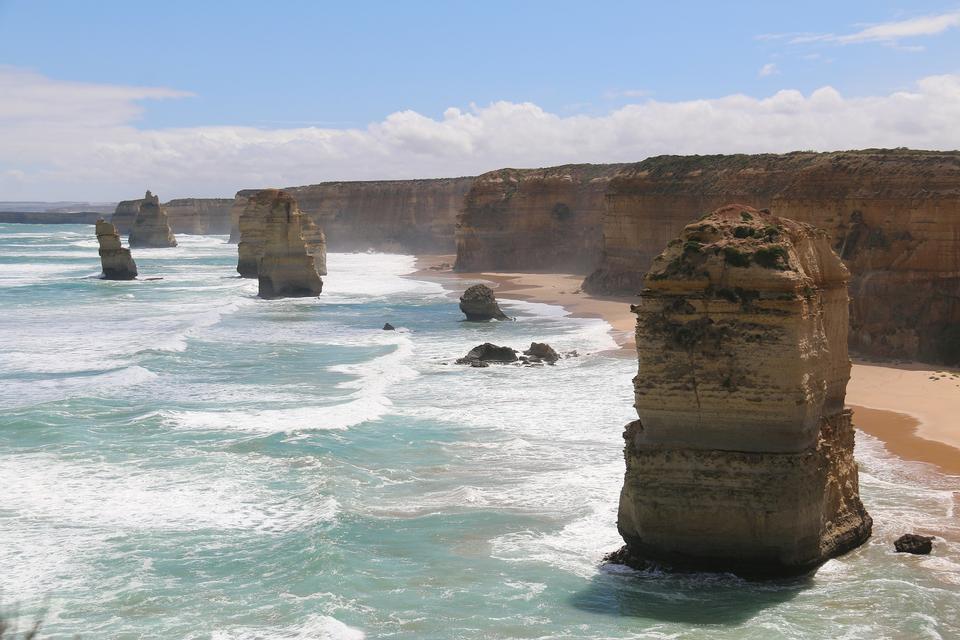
[[914, 408]]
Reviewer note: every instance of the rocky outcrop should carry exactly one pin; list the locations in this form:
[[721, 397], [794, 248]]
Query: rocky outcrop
[[534, 219], [262, 207], [199, 216], [742, 459], [482, 355], [151, 228], [541, 352], [414, 216], [126, 214], [288, 266], [913, 543], [479, 304], [115, 261], [892, 215]]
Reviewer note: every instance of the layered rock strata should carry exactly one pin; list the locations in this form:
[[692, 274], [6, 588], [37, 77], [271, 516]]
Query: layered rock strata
[[892, 215], [199, 216], [151, 228], [742, 457], [288, 266], [534, 219], [261, 207], [479, 304], [115, 261], [125, 215], [416, 216]]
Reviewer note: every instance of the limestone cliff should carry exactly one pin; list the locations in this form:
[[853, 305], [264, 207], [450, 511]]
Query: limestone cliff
[[151, 228], [534, 219], [199, 216], [115, 261], [892, 215], [742, 458], [125, 215], [388, 215], [261, 207], [287, 268]]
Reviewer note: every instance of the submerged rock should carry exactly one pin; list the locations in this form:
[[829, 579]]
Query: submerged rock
[[479, 304], [287, 268], [486, 353], [742, 459], [913, 543], [151, 227], [116, 262], [252, 226]]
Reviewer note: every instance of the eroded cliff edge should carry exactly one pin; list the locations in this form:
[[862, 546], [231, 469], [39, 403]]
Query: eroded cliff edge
[[742, 457], [416, 216], [892, 215], [534, 219]]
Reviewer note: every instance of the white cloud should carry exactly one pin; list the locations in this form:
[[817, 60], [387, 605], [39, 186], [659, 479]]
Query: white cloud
[[889, 33], [769, 69], [74, 141]]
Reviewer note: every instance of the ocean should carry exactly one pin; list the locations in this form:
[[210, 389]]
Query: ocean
[[180, 459]]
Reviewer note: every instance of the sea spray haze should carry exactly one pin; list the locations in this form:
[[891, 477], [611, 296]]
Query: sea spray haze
[[181, 459]]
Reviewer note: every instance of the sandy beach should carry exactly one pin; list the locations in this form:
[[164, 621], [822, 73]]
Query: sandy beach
[[913, 407]]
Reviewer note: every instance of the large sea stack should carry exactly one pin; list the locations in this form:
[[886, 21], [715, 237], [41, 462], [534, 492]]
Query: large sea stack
[[116, 262], [151, 228], [742, 459], [293, 255], [261, 206]]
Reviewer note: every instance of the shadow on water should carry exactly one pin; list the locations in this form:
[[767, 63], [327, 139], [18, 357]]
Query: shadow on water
[[690, 598]]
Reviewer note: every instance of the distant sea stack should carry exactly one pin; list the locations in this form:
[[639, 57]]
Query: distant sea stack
[[742, 459], [116, 262], [413, 216], [289, 265], [534, 219], [893, 217], [261, 207], [151, 228]]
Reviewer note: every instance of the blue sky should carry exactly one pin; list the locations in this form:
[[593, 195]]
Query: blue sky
[[347, 66]]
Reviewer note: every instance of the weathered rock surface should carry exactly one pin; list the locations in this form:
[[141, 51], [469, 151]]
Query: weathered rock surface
[[288, 265], [742, 458], [541, 352], [534, 219], [892, 215], [913, 543], [126, 214], [115, 261], [482, 355], [261, 206], [151, 228], [386, 215], [479, 304]]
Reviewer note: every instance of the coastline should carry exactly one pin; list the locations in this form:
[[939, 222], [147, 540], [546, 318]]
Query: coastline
[[912, 407]]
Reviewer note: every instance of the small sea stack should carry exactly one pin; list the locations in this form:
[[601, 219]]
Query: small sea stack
[[116, 262], [742, 459], [252, 223], [151, 228], [290, 265], [479, 304]]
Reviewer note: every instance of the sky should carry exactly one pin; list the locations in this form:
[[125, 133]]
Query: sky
[[101, 100]]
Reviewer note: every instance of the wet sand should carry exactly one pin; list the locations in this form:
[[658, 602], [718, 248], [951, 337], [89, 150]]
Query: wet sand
[[913, 408]]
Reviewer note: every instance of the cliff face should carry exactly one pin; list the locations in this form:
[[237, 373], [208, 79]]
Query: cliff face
[[893, 216], [534, 219], [115, 261], [125, 215], [742, 458], [265, 208], [151, 228], [288, 266], [199, 216], [391, 215]]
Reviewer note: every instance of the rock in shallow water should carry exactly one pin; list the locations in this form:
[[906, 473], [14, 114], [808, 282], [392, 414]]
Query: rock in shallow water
[[742, 459], [486, 353], [541, 352], [913, 543], [389, 327], [479, 304]]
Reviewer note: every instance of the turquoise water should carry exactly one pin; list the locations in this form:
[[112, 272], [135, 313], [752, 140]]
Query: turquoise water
[[181, 459]]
